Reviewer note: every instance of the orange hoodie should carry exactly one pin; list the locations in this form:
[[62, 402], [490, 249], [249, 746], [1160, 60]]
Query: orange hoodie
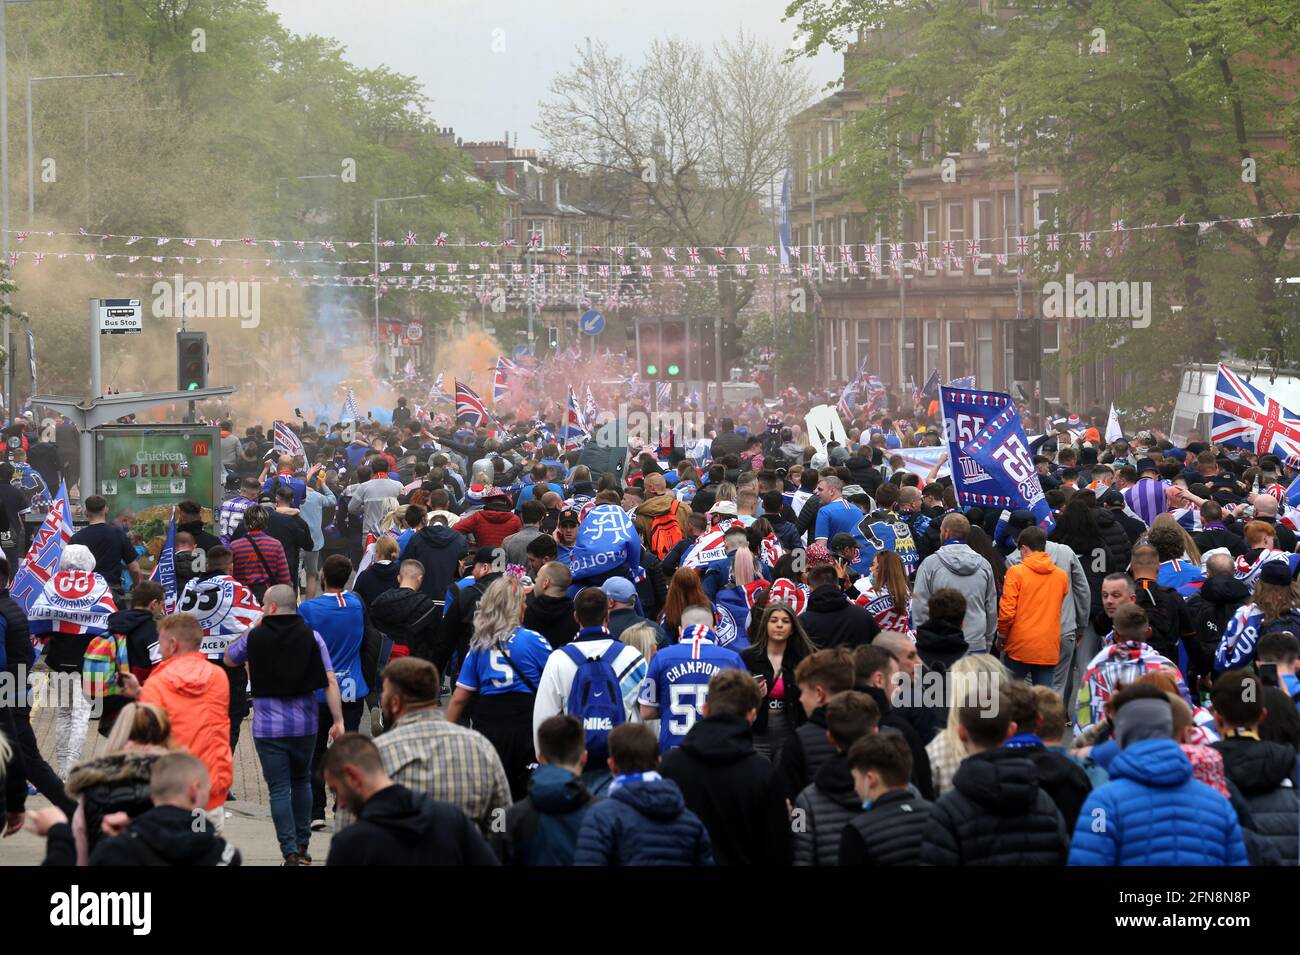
[[196, 696], [1029, 616]]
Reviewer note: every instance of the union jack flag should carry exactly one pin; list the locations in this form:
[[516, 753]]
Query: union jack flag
[[972, 247], [501, 378], [665, 390], [437, 392], [441, 240], [470, 407], [948, 249], [744, 253], [1053, 242], [1245, 417], [409, 238], [535, 240], [1022, 245], [590, 409], [287, 441], [694, 253], [670, 253], [1085, 242]]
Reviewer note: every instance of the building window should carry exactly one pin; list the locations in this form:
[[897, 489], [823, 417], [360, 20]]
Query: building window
[[956, 213], [535, 229], [930, 230], [888, 357], [847, 368], [807, 164], [909, 348], [956, 350], [983, 353], [1009, 356], [864, 344], [1044, 210], [882, 247], [983, 234], [931, 332]]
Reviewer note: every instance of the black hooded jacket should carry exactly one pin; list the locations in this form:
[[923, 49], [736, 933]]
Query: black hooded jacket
[[376, 579], [1264, 773], [399, 827], [832, 620], [141, 632], [734, 791], [164, 835], [409, 618], [940, 644], [996, 814], [1212, 607], [439, 550], [552, 617]]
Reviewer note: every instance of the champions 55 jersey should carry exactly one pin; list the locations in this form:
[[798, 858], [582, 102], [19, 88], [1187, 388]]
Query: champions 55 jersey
[[678, 682]]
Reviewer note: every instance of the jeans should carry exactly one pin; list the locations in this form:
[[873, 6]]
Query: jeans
[[286, 766], [71, 720], [351, 720], [1062, 678], [1035, 674]]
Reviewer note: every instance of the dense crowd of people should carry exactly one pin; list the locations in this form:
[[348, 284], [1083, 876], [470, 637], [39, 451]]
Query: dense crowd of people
[[463, 646]]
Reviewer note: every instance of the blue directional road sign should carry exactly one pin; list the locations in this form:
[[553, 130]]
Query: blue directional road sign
[[592, 323]]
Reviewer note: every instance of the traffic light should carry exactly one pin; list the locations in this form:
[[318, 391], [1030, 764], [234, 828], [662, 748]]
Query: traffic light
[[651, 353], [1028, 351], [552, 336], [191, 360], [673, 353]]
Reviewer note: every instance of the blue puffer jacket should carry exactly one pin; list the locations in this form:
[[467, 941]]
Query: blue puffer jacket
[[1154, 813], [643, 823]]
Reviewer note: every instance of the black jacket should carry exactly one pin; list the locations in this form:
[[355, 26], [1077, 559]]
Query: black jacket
[[409, 618], [728, 442], [457, 626], [1115, 535], [995, 814], [1265, 774], [164, 835], [376, 579], [1170, 625], [827, 806], [141, 632], [1133, 527], [1212, 607], [832, 620], [439, 549], [202, 539], [1063, 779], [888, 833], [673, 559], [1220, 537], [653, 587], [399, 827], [12, 504], [940, 644], [893, 721], [552, 617], [760, 666], [735, 792], [804, 753]]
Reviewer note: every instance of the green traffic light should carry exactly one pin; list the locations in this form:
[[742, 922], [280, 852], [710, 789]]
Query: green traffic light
[[651, 370], [194, 386], [674, 370]]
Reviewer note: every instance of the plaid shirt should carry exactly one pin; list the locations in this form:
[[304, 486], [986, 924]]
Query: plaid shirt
[[427, 754]]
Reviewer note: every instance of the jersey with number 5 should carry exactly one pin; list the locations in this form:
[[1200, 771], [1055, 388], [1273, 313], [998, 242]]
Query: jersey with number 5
[[487, 671], [678, 684]]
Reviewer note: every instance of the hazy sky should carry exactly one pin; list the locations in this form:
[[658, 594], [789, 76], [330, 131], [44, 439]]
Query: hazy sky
[[481, 93]]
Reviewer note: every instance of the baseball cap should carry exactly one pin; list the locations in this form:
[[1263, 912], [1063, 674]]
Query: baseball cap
[[568, 516], [1145, 464], [1112, 498], [488, 555], [620, 589], [723, 507], [841, 540]]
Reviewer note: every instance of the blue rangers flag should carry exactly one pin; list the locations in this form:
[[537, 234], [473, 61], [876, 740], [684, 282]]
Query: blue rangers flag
[[1002, 451], [1243, 416], [42, 560], [965, 413], [967, 381], [931, 389], [164, 572], [607, 540]]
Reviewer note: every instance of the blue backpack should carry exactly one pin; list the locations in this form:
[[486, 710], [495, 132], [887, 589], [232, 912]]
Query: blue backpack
[[595, 699]]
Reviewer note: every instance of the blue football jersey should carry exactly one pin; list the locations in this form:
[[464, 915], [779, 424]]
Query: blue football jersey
[[488, 672], [678, 683]]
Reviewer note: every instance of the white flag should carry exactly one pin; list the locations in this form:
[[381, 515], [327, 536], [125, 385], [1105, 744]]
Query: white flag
[[1113, 431]]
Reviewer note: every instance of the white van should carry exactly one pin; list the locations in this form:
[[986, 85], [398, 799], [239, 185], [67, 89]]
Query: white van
[[1194, 406]]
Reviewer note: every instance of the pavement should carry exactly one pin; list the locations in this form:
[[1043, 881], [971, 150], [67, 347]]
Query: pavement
[[248, 815]]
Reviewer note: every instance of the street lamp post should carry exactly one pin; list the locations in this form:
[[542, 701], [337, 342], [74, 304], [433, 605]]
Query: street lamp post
[[375, 240], [31, 145]]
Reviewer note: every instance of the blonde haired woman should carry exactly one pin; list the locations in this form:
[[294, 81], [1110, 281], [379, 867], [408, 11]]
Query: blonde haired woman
[[975, 677], [499, 678]]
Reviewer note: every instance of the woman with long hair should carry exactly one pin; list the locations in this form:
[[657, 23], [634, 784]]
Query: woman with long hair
[[118, 781], [979, 541], [1274, 606], [974, 677], [1079, 527], [500, 675], [684, 590], [886, 594], [778, 645]]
